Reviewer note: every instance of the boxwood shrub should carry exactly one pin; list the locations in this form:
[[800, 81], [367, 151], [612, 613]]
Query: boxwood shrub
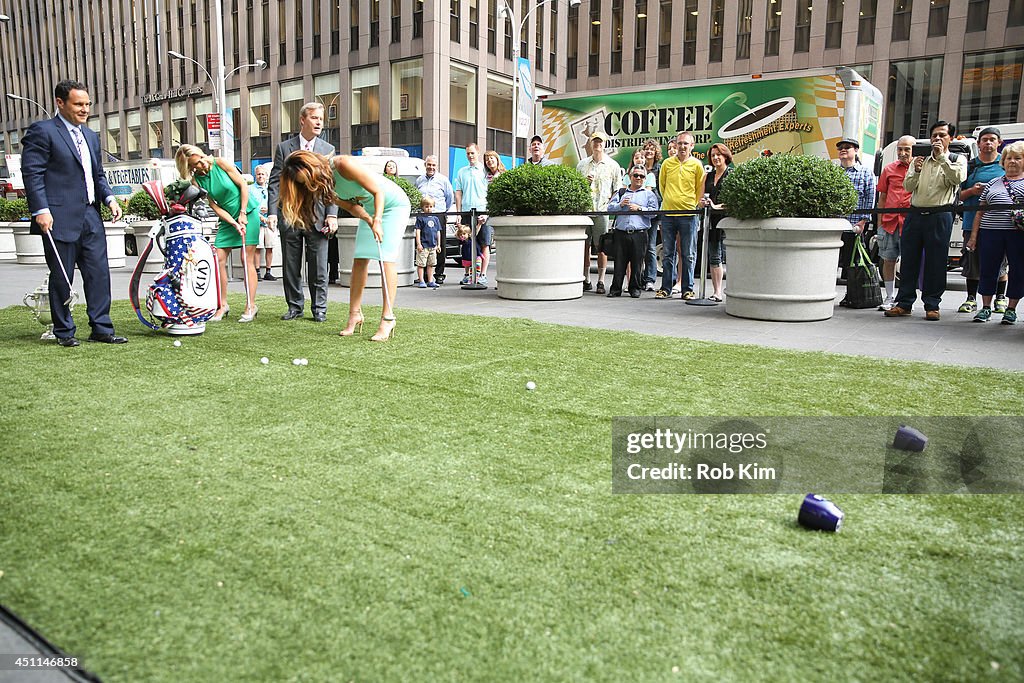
[[142, 205], [788, 185], [14, 210], [410, 191], [530, 190]]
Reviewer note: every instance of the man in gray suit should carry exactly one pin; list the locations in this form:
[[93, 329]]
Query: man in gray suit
[[294, 241]]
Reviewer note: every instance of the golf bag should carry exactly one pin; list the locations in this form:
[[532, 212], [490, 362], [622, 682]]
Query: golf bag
[[186, 293]]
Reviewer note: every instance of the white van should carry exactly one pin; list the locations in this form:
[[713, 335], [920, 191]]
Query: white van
[[375, 158]]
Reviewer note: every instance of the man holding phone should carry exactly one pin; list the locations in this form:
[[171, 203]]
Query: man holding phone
[[933, 183]]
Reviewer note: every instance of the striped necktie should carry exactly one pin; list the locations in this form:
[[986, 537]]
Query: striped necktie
[[86, 158]]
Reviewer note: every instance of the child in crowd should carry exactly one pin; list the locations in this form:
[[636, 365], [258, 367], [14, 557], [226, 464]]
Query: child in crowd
[[462, 232], [427, 232]]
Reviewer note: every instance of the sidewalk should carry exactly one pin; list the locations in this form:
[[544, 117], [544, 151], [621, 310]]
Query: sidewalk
[[954, 339]]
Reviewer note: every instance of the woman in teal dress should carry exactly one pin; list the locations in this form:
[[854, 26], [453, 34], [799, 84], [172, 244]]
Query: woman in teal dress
[[308, 179], [227, 193]]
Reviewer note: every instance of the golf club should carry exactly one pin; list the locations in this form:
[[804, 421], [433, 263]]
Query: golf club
[[73, 295]]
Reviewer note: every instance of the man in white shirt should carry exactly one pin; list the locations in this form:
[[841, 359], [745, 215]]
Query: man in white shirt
[[604, 174]]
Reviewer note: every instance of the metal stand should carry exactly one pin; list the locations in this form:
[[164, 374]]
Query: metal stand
[[473, 284], [703, 300]]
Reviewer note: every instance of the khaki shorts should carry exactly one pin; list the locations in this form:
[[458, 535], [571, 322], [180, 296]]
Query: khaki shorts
[[269, 239], [595, 231], [426, 257]]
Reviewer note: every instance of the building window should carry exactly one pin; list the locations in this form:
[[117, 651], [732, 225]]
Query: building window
[[316, 28], [913, 96], [179, 124], [374, 23], [325, 91], [938, 17], [690, 32], [1015, 17], [834, 24], [259, 122], [773, 21], [203, 107], [112, 144], [365, 107], [462, 109], [990, 88], [499, 117], [297, 20], [901, 12], [616, 37], [553, 38], [595, 37], [454, 20], [292, 98], [407, 102], [155, 137], [282, 33], [743, 29], [539, 48], [665, 34], [802, 37], [507, 23], [232, 100], [133, 149], [640, 37], [572, 56], [266, 30], [474, 24], [353, 32], [492, 23], [396, 21], [717, 17], [417, 19], [977, 15], [335, 28], [866, 22]]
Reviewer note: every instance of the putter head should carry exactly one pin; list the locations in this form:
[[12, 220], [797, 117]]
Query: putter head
[[72, 299]]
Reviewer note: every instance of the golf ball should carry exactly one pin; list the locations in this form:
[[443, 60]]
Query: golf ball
[[177, 343], [296, 361], [264, 360], [531, 385], [304, 361]]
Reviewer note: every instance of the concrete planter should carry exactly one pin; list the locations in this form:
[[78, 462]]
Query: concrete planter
[[346, 249], [783, 268], [8, 250], [115, 243], [28, 248], [541, 256]]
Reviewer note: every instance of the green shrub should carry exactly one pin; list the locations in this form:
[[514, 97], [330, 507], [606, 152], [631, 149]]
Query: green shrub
[[410, 191], [787, 185], [530, 190], [14, 210], [105, 213], [142, 205]]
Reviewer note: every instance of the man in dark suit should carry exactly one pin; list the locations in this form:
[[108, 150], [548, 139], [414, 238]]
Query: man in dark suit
[[295, 242], [64, 181]]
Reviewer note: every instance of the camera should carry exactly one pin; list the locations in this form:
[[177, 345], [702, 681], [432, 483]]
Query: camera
[[922, 149]]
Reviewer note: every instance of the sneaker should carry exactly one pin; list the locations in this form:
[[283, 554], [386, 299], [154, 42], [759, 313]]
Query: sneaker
[[420, 284], [983, 315], [600, 287], [269, 277], [661, 294], [587, 286], [466, 280], [481, 280], [433, 285], [689, 294], [1009, 316], [649, 287], [417, 282], [887, 304], [969, 306], [1001, 303], [677, 289]]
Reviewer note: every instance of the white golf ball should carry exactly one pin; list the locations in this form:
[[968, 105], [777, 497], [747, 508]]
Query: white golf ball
[[177, 343], [305, 361], [264, 360], [296, 361], [531, 385]]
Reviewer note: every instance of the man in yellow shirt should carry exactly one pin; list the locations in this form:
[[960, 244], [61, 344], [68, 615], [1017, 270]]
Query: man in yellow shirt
[[934, 183], [682, 184]]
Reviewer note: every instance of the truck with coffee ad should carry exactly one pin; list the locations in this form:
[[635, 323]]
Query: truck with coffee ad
[[794, 112]]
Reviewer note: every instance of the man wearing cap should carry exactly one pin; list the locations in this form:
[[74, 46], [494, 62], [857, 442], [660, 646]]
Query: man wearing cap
[[892, 195], [603, 173], [933, 184], [537, 156], [980, 171], [864, 183]]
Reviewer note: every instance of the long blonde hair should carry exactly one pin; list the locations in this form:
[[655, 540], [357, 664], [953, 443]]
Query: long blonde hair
[[181, 159], [306, 181]]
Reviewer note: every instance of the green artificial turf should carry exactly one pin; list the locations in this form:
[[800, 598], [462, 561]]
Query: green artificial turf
[[409, 512]]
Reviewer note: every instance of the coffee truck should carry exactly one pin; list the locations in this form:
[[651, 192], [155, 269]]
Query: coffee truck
[[794, 112]]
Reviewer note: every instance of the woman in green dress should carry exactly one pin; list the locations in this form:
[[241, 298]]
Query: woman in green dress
[[308, 179], [227, 193]]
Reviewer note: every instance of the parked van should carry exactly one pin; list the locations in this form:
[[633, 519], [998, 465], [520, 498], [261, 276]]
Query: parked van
[[375, 158]]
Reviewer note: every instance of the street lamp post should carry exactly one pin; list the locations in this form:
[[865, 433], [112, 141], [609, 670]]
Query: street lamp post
[[12, 96], [220, 84], [507, 12]]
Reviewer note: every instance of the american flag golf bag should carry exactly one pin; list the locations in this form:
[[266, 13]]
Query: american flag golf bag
[[186, 293]]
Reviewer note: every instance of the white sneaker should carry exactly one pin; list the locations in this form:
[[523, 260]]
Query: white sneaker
[[649, 287], [887, 304]]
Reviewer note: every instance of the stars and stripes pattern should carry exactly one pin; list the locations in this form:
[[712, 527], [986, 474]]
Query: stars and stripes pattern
[[186, 292]]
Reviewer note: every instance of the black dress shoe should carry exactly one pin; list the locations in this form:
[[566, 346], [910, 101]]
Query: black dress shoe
[[635, 294], [319, 317], [107, 338], [291, 315], [613, 293], [68, 341]]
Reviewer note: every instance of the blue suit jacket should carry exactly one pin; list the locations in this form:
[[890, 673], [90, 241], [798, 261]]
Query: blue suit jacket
[[54, 179]]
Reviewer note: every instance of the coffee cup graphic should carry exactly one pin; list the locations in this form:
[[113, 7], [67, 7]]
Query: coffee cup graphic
[[766, 127]]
